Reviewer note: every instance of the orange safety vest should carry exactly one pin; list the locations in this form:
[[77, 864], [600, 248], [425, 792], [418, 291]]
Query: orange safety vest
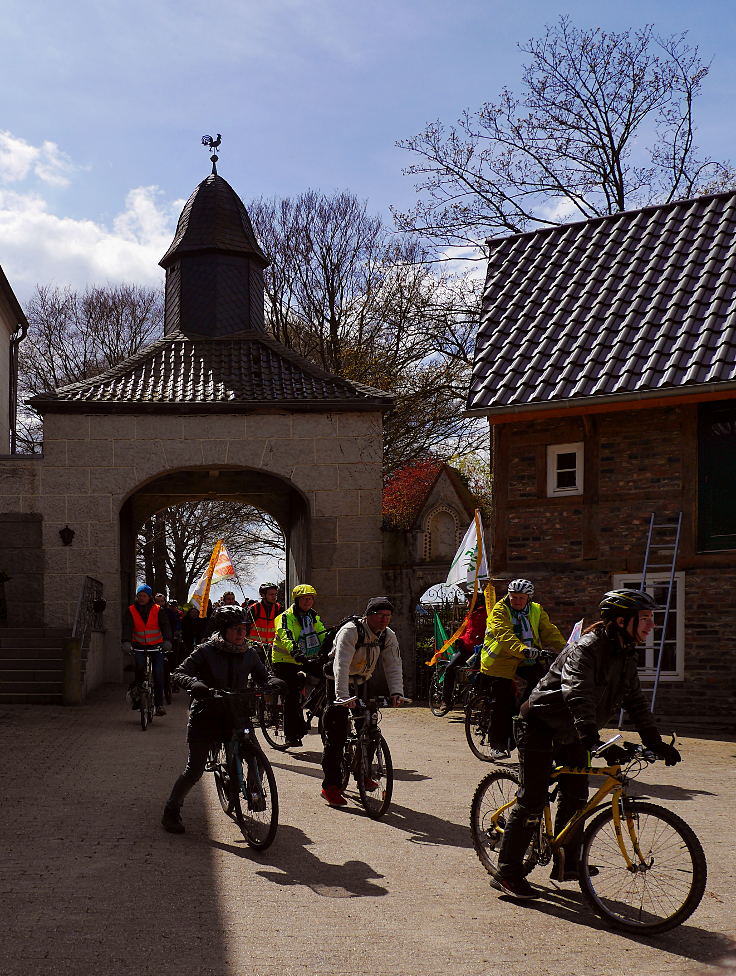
[[146, 632], [263, 629]]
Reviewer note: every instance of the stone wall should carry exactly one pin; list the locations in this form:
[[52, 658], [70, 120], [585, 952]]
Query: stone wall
[[92, 464], [21, 556], [636, 462]]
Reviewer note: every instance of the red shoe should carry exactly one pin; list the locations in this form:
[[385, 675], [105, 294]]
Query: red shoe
[[333, 796], [371, 785]]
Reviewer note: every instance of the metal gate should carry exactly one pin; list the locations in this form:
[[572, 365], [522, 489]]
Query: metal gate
[[451, 613]]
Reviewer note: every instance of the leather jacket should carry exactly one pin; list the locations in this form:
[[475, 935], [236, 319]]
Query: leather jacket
[[585, 686]]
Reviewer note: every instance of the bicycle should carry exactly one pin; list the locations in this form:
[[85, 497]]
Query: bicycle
[[461, 693], [271, 711], [641, 869], [141, 696], [244, 779], [366, 755]]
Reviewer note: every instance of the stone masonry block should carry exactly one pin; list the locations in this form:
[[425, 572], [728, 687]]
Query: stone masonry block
[[67, 427], [336, 502], [19, 478], [55, 452], [54, 508], [103, 535], [336, 554], [186, 454], [213, 452], [368, 424], [371, 502], [358, 528], [97, 453], [324, 529], [221, 427], [91, 562], [164, 427], [91, 508], [65, 481], [276, 425], [367, 476], [322, 425], [56, 560], [111, 428], [362, 582], [356, 450], [324, 581], [11, 503], [116, 481], [126, 454], [247, 452], [309, 477], [371, 555]]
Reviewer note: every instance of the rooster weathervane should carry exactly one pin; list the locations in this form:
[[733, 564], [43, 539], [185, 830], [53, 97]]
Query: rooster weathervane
[[213, 145]]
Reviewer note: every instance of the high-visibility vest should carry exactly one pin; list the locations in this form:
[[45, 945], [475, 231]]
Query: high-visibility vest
[[264, 627], [146, 632]]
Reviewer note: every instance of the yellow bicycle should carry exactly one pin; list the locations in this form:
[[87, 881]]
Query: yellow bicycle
[[642, 868]]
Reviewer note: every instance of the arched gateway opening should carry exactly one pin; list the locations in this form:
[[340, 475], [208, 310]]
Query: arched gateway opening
[[249, 486]]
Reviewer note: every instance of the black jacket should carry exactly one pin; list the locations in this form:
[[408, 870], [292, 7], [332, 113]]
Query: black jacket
[[586, 684]]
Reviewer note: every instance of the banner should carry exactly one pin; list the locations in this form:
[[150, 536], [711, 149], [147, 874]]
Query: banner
[[219, 568], [440, 635]]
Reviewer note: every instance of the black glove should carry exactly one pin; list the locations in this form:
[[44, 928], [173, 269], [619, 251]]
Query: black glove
[[615, 755], [299, 657], [532, 653], [589, 737], [199, 690], [276, 685], [663, 750]]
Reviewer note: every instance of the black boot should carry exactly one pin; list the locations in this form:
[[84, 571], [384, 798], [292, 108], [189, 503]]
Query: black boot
[[171, 819]]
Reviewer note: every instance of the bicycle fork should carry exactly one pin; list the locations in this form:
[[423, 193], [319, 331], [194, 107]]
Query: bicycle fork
[[250, 787]]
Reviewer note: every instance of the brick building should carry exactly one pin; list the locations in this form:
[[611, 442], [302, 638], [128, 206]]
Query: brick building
[[606, 366]]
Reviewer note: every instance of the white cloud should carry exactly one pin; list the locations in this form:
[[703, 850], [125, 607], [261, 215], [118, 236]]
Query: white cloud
[[19, 160]]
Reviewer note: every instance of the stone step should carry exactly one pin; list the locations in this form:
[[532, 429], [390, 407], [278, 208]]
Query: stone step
[[46, 687], [10, 669], [30, 643], [57, 632], [30, 698]]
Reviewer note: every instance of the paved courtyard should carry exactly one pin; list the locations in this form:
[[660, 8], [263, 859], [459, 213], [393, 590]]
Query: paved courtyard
[[91, 884]]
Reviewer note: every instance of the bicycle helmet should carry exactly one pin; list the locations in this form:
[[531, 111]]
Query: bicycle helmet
[[227, 616], [265, 587], [303, 589], [624, 603], [521, 586]]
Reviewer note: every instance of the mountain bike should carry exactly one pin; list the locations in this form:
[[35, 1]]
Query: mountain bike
[[244, 779], [462, 692], [366, 756], [271, 711], [641, 869], [144, 692]]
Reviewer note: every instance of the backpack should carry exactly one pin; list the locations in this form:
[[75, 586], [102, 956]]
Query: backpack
[[331, 633]]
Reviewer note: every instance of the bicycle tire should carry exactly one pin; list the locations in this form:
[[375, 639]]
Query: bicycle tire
[[647, 901], [437, 704], [495, 790], [346, 765], [375, 778], [271, 721], [477, 728], [144, 711], [257, 826], [321, 725], [218, 763]]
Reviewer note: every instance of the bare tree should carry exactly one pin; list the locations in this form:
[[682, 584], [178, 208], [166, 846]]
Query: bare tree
[[174, 545], [363, 302], [74, 335], [604, 123]]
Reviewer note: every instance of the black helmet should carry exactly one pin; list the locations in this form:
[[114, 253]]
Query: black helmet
[[227, 616], [624, 603], [266, 586]]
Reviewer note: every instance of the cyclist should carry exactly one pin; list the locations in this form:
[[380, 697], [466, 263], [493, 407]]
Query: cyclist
[[471, 636], [296, 648], [261, 614], [357, 647], [146, 626], [225, 661], [517, 632], [560, 722]]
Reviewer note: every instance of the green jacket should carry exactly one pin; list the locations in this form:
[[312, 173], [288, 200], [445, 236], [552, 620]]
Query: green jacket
[[288, 629], [502, 651]]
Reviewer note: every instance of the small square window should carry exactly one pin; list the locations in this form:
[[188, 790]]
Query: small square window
[[565, 469]]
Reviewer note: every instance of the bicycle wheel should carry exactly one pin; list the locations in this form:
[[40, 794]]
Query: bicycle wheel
[[665, 884], [437, 704], [346, 765], [375, 776], [145, 707], [477, 728], [271, 720], [496, 790], [256, 800], [217, 762]]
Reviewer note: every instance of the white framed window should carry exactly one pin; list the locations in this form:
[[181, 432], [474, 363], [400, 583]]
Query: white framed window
[[564, 469], [673, 654]]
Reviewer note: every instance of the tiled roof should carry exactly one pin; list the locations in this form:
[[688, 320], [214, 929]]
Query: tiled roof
[[214, 218], [247, 372], [635, 305]]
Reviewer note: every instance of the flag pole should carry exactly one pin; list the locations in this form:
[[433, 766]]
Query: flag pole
[[208, 580]]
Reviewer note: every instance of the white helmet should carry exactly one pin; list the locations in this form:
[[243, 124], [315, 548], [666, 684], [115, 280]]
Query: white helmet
[[521, 586]]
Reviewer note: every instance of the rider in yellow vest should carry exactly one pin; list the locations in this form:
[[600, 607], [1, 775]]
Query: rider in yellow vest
[[296, 647], [517, 632]]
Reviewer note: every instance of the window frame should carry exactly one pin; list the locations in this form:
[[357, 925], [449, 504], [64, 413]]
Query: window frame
[[632, 581], [553, 451]]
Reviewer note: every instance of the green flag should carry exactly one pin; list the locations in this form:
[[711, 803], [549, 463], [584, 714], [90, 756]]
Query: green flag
[[440, 636]]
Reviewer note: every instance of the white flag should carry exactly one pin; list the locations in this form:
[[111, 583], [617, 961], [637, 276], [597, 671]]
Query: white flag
[[220, 567], [470, 563]]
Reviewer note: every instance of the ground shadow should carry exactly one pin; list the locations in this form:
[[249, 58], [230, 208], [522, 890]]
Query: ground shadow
[[664, 791], [295, 864]]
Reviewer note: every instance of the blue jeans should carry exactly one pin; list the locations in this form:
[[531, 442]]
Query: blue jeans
[[157, 662]]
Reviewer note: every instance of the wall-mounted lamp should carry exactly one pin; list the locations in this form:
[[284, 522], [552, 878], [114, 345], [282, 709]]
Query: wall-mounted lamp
[[67, 535]]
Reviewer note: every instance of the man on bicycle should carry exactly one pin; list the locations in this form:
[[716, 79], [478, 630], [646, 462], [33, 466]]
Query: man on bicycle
[[146, 630], [261, 614], [358, 645], [560, 723], [223, 662], [517, 632]]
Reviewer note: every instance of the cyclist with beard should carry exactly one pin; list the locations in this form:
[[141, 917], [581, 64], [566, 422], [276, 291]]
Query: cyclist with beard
[[225, 661]]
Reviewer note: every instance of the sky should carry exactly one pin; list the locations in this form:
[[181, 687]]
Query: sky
[[103, 105]]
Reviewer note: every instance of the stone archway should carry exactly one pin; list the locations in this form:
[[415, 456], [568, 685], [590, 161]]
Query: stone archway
[[261, 489]]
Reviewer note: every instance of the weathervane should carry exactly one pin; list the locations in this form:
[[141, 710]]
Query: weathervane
[[213, 145]]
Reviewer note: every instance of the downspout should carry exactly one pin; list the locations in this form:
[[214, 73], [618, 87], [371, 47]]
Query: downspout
[[21, 331]]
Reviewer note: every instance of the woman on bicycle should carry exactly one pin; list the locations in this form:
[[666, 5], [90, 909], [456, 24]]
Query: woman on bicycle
[[560, 723], [224, 662], [296, 648]]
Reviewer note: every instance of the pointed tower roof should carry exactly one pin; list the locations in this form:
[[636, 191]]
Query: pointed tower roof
[[214, 219]]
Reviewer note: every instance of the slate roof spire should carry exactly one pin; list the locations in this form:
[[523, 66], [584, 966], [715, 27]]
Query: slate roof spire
[[214, 266]]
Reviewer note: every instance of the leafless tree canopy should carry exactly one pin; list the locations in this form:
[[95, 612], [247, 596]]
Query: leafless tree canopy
[[604, 123], [365, 303]]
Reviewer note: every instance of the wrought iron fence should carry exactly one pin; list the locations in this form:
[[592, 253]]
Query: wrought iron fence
[[451, 612]]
